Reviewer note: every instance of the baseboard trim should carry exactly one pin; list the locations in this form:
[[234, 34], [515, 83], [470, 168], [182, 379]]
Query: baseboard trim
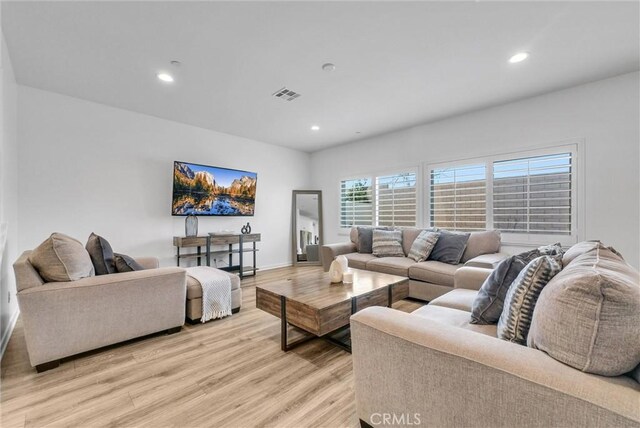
[[8, 332], [272, 267]]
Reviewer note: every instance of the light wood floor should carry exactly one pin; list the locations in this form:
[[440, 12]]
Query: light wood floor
[[226, 373]]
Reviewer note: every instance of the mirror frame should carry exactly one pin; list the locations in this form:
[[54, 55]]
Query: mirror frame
[[294, 228]]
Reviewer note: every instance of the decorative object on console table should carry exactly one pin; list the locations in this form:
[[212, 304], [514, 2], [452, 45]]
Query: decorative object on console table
[[191, 226], [246, 229], [190, 242], [235, 239]]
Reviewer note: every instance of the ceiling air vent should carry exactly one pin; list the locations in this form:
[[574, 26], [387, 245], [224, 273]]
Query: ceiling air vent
[[286, 94]]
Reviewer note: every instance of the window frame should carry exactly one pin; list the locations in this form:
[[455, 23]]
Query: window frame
[[417, 170], [575, 147]]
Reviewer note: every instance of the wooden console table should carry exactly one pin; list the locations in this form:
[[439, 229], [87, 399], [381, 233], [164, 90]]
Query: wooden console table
[[197, 242], [230, 240], [239, 240]]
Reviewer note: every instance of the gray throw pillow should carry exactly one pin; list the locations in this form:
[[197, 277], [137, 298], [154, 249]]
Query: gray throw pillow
[[588, 315], [101, 254], [488, 304], [61, 258], [365, 240], [125, 263], [387, 243], [522, 296], [449, 247], [423, 245]]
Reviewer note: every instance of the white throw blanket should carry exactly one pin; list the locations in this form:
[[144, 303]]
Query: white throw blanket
[[216, 291]]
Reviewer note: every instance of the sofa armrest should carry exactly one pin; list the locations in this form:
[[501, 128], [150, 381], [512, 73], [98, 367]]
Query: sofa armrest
[[148, 262], [470, 278], [448, 376], [331, 251], [487, 261]]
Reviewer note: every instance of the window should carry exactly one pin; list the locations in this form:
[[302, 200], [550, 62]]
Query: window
[[396, 200], [356, 202], [533, 195], [458, 197], [530, 197], [382, 200]]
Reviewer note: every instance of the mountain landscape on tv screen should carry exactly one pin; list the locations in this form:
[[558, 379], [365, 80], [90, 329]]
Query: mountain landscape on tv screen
[[204, 190]]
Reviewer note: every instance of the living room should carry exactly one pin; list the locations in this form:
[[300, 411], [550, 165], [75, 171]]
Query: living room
[[412, 91]]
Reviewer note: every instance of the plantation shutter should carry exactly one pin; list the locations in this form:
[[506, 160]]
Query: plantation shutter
[[356, 202], [396, 200], [533, 195], [458, 197]]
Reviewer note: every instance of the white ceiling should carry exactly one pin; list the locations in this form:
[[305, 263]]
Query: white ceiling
[[398, 63]]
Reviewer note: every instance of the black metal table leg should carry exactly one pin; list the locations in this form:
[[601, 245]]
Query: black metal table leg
[[208, 255]]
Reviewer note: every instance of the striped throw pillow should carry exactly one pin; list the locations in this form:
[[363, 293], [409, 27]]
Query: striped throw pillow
[[522, 296], [422, 246], [387, 243]]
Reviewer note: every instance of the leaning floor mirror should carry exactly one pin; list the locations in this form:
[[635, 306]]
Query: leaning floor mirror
[[306, 219]]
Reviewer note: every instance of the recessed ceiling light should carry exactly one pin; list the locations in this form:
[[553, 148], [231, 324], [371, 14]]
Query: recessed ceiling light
[[165, 77], [328, 67], [519, 57], [315, 128]]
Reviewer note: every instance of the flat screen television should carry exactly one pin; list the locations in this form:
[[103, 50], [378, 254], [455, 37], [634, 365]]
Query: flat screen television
[[212, 191]]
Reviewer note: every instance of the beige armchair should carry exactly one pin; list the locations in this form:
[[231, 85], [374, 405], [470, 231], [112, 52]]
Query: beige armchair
[[67, 318]]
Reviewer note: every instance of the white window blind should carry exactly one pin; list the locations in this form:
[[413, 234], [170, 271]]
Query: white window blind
[[458, 197], [356, 202], [533, 195], [396, 200]]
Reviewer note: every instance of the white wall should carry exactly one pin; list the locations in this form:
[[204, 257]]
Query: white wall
[[87, 167], [8, 193], [604, 113]]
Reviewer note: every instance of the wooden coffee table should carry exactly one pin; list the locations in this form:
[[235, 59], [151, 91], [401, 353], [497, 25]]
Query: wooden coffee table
[[311, 303]]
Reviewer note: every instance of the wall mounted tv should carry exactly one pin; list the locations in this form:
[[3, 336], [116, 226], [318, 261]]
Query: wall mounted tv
[[212, 191]]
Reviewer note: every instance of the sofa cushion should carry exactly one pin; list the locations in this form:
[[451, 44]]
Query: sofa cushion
[[124, 263], [489, 303], [61, 258], [461, 299], [588, 315], [359, 260], [450, 247], [583, 247], [522, 296], [486, 261], [423, 245], [391, 265], [101, 254], [387, 243], [434, 272], [194, 289], [479, 243], [454, 317]]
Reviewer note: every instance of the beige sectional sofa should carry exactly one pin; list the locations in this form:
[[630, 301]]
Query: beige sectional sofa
[[434, 368], [67, 318], [428, 279]]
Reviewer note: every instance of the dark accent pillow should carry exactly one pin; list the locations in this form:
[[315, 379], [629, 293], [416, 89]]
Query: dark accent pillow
[[125, 263], [488, 304], [449, 247], [101, 254], [520, 301]]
